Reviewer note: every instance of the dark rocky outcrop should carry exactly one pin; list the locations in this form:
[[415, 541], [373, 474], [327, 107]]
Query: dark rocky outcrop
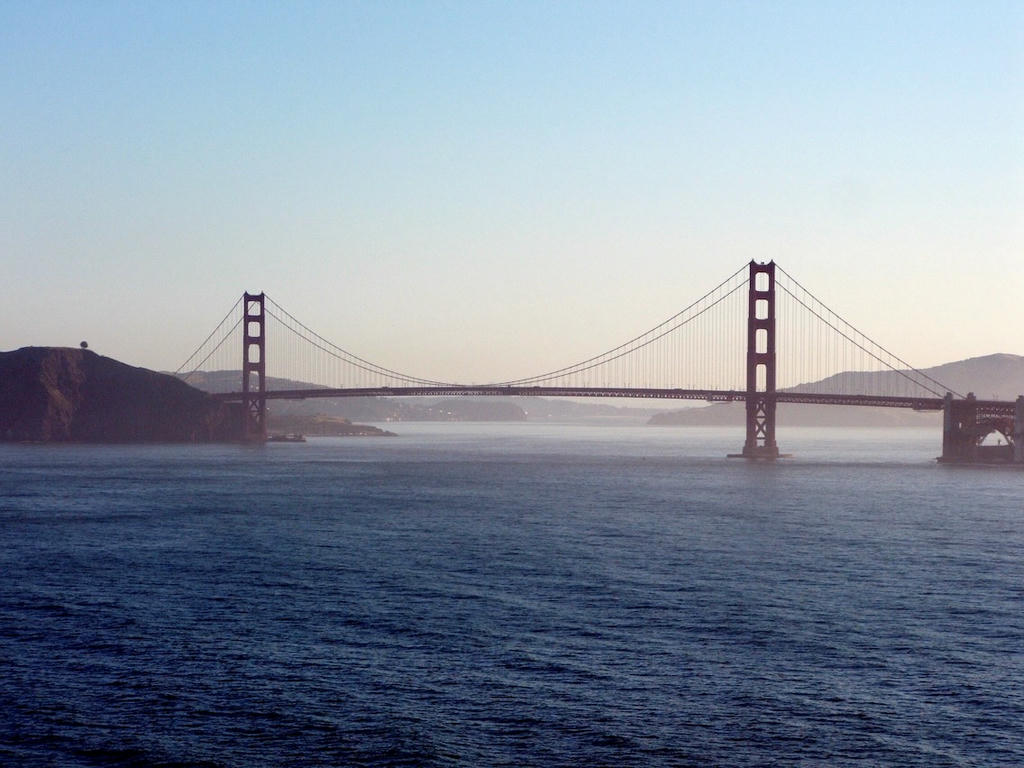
[[74, 395]]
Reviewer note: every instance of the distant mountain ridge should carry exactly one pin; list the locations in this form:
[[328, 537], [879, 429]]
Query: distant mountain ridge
[[377, 409], [381, 409], [990, 377]]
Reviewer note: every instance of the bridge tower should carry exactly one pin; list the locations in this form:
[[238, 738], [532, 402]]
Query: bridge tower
[[760, 442], [254, 368]]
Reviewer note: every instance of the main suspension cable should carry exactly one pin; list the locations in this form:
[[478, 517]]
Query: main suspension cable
[[207, 339], [895, 357], [626, 347], [341, 354]]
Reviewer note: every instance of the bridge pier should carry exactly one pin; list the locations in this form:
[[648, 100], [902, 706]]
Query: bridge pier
[[959, 429], [1018, 431]]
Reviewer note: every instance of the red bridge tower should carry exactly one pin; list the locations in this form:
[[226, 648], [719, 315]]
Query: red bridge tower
[[254, 368], [760, 442]]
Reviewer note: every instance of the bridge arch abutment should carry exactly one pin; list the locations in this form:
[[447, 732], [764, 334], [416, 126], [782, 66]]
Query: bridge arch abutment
[[966, 423]]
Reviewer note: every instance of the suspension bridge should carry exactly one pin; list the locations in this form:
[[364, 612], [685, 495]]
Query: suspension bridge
[[758, 337]]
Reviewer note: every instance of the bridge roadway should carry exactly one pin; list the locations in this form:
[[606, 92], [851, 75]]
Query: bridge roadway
[[710, 395]]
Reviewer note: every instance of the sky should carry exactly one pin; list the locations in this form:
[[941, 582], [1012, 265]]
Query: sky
[[481, 191]]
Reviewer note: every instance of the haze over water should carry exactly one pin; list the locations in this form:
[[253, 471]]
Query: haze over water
[[525, 594]]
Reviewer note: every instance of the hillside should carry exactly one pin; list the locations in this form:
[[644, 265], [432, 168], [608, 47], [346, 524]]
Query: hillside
[[992, 377], [995, 377], [73, 395]]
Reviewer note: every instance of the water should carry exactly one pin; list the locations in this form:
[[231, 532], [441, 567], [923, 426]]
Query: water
[[511, 595]]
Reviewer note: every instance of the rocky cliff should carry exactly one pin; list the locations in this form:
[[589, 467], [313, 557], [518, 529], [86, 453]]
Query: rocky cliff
[[62, 394]]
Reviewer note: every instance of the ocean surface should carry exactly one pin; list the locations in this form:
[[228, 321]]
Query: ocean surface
[[511, 595]]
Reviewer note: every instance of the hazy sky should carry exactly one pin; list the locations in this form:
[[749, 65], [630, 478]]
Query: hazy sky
[[487, 190]]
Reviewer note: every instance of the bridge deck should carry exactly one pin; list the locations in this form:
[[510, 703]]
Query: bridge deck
[[709, 395]]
